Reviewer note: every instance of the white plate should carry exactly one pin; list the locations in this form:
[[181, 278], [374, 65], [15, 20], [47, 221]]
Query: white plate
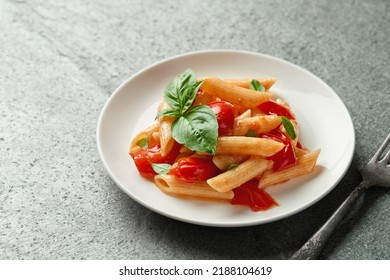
[[324, 120]]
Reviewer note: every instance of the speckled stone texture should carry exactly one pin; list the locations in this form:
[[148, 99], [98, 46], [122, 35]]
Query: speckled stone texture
[[61, 60]]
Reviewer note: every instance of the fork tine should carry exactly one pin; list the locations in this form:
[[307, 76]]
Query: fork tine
[[381, 149]]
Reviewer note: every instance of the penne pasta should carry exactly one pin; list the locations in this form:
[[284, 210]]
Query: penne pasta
[[237, 176], [260, 124], [143, 134], [305, 164], [173, 186], [234, 94], [267, 83], [166, 140], [242, 145], [224, 161]]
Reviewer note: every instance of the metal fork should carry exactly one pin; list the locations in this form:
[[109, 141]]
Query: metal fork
[[375, 173]]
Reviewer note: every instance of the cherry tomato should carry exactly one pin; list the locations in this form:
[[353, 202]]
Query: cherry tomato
[[225, 113], [192, 169], [285, 157], [273, 108], [143, 159], [250, 195]]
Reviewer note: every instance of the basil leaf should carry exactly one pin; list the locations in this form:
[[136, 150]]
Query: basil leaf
[[197, 129], [161, 168], [231, 166], [289, 127], [176, 86], [251, 133], [168, 112], [143, 143], [255, 85], [187, 96]]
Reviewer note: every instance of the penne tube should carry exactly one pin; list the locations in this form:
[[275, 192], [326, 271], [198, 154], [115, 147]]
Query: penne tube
[[224, 161], [173, 186], [144, 133], [237, 176], [166, 139], [234, 94], [260, 124], [242, 145], [305, 164], [267, 83]]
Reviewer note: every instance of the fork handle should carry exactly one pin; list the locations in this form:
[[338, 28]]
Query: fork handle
[[313, 247]]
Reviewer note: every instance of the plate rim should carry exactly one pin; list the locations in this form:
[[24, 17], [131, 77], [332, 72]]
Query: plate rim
[[223, 224]]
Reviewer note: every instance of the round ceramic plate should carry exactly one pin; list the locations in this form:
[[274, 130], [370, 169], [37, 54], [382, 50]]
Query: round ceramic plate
[[319, 111]]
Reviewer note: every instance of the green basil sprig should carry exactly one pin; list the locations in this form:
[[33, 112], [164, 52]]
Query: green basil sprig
[[161, 168], [255, 85], [143, 143], [195, 127], [288, 126]]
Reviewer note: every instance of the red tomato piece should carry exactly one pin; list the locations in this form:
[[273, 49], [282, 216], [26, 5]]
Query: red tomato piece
[[192, 169], [225, 113], [249, 194], [273, 108], [276, 135], [143, 159], [285, 157]]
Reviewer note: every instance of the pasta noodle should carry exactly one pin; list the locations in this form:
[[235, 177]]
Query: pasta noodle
[[305, 164], [234, 94], [260, 124], [244, 172], [166, 140], [242, 145], [171, 185]]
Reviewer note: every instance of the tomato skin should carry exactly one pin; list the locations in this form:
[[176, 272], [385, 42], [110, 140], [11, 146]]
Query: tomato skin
[[192, 169], [272, 108], [285, 157], [225, 113], [249, 194], [143, 159], [276, 135]]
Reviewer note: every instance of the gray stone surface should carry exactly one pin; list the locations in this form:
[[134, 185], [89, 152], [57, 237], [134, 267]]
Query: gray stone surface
[[61, 60]]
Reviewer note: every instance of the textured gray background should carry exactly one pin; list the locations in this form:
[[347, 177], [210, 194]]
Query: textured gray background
[[61, 60]]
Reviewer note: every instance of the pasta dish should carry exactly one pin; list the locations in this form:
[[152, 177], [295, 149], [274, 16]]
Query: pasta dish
[[222, 139]]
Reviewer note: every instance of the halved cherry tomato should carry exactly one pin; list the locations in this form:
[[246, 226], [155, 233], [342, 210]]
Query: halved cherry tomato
[[225, 113], [273, 108], [285, 157], [143, 159], [250, 195], [192, 169]]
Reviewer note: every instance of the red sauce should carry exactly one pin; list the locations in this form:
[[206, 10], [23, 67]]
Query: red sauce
[[248, 194]]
